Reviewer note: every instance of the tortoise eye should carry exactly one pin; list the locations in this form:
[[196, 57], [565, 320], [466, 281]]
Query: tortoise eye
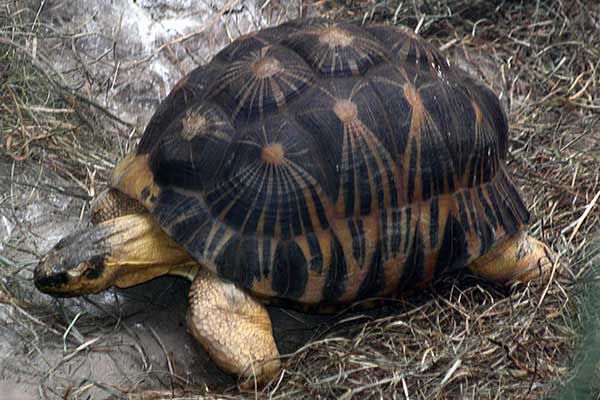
[[93, 270]]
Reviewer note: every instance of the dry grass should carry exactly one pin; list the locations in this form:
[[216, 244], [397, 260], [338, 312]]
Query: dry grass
[[463, 338]]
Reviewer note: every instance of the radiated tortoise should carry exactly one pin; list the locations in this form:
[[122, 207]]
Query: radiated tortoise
[[315, 163]]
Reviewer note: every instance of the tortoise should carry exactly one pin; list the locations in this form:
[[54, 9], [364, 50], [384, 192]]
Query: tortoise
[[315, 163]]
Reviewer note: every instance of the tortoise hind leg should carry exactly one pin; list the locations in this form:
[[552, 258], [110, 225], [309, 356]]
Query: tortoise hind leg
[[234, 328], [518, 258]]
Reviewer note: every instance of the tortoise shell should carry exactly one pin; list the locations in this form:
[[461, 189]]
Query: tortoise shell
[[326, 162]]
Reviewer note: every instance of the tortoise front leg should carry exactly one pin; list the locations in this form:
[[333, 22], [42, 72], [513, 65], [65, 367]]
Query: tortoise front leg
[[518, 258], [111, 203], [233, 328]]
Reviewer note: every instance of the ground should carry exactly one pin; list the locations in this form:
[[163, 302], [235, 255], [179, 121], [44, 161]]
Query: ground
[[81, 78]]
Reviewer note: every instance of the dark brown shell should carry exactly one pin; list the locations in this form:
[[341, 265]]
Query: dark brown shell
[[325, 162]]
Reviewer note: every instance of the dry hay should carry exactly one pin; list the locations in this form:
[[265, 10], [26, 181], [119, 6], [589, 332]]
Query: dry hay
[[462, 338]]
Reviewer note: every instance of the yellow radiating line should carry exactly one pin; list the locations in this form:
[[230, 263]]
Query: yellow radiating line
[[264, 176]]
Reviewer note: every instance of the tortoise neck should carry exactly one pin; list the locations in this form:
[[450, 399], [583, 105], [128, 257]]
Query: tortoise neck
[[140, 251]]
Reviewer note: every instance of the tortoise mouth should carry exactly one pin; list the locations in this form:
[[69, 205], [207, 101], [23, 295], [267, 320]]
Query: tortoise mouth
[[50, 283]]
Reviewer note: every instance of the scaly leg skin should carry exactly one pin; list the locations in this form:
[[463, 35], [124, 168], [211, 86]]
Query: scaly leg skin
[[234, 328], [518, 258], [111, 203]]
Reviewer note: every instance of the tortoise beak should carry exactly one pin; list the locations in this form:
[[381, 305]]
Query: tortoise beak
[[46, 277]]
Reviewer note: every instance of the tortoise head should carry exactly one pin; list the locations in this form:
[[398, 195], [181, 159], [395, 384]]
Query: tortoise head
[[77, 265], [121, 252]]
